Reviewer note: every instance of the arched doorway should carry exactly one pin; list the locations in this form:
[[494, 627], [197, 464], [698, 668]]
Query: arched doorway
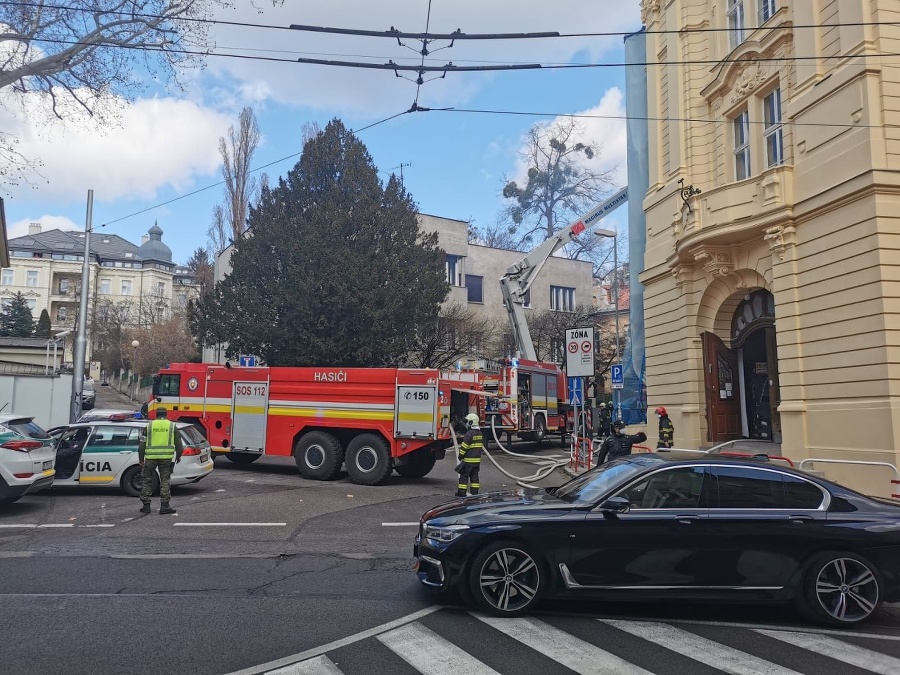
[[741, 378]]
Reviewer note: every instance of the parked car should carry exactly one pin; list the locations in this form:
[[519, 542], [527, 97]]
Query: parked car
[[105, 453], [27, 457], [648, 527], [88, 395]]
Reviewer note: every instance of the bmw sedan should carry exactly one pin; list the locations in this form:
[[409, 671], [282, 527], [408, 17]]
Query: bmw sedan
[[647, 527]]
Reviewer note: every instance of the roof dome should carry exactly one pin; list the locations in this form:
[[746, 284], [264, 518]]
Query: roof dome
[[154, 248]]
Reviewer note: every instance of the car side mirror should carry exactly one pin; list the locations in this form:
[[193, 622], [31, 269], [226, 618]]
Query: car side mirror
[[615, 505]]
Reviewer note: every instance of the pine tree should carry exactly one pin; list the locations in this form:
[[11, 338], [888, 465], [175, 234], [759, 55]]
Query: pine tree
[[44, 327], [16, 319], [334, 270]]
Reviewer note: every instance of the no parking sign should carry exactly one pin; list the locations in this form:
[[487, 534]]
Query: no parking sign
[[580, 352]]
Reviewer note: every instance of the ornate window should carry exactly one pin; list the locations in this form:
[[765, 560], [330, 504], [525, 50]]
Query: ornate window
[[773, 132], [735, 23], [767, 10], [742, 146], [757, 308]]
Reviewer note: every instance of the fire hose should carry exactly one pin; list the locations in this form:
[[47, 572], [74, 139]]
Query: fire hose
[[546, 465]]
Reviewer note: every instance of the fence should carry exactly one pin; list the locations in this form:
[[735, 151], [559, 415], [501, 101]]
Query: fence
[[134, 386]]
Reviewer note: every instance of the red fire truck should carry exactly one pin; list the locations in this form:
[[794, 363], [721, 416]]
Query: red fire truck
[[526, 398], [373, 419]]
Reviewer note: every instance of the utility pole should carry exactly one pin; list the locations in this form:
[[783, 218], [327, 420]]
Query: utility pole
[[81, 336], [401, 169]]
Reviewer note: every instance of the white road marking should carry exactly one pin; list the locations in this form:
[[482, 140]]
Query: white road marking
[[100, 525], [337, 644], [50, 526], [17, 526], [711, 653], [229, 524], [399, 524], [842, 651], [321, 665], [565, 649], [57, 525], [430, 654]]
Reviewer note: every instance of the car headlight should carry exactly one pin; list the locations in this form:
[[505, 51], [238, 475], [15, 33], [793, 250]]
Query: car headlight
[[446, 534]]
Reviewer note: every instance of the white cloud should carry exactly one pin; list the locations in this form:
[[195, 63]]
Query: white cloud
[[47, 223], [152, 143]]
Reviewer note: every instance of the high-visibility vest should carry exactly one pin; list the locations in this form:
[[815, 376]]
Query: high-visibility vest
[[160, 440]]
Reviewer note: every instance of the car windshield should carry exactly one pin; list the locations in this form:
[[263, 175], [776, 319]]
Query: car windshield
[[88, 385], [587, 488], [28, 429]]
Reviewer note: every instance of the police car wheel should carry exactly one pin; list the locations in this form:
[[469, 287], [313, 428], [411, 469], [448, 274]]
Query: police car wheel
[[131, 481], [319, 456], [368, 460]]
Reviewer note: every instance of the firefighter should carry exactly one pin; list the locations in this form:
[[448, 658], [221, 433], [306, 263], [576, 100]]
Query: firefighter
[[666, 429], [158, 446], [604, 417], [619, 444], [470, 457]]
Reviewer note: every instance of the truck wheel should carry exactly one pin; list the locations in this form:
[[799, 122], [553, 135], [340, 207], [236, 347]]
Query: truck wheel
[[420, 464], [131, 481], [368, 460], [319, 456], [242, 457]]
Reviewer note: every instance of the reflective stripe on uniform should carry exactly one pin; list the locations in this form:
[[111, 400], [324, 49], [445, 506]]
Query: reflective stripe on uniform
[[160, 440]]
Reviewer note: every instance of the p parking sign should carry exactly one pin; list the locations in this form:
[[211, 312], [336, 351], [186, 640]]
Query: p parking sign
[[580, 352]]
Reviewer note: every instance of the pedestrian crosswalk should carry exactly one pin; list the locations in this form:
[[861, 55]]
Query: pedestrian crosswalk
[[456, 642]]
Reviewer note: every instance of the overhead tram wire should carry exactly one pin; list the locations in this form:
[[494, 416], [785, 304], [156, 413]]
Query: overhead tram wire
[[393, 33]]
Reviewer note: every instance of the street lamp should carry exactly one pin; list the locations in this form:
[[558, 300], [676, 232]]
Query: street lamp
[[134, 345]]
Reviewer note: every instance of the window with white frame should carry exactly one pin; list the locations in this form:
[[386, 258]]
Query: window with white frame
[[160, 288], [773, 130], [742, 146], [562, 299], [31, 278], [767, 9], [126, 286], [455, 270], [9, 277], [62, 314], [105, 285], [31, 304], [63, 286], [735, 23]]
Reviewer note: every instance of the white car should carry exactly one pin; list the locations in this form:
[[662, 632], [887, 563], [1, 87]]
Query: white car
[[27, 457], [105, 453], [88, 395]]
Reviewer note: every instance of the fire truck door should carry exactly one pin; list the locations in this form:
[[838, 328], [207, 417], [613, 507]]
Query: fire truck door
[[416, 415], [249, 412]]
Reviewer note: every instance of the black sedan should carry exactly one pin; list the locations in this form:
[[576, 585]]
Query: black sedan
[[647, 527]]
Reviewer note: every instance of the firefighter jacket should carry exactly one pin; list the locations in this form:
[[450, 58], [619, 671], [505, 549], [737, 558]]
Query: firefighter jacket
[[666, 432], [618, 445], [471, 447], [160, 442]]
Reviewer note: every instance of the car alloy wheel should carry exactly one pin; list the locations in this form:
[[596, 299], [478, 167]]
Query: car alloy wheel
[[847, 589], [508, 580]]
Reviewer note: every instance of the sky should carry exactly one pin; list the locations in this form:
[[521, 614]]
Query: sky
[[159, 162]]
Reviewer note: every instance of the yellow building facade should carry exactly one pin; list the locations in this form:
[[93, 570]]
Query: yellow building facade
[[772, 297]]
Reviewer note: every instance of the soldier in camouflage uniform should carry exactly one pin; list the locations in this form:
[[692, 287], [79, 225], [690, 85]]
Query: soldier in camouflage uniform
[[159, 445]]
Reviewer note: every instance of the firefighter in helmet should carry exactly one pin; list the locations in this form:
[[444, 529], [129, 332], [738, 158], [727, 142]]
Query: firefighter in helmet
[[666, 429], [470, 457]]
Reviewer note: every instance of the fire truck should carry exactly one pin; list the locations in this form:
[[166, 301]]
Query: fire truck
[[532, 396], [374, 420]]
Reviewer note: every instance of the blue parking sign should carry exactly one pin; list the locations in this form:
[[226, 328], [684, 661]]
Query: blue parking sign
[[617, 376]]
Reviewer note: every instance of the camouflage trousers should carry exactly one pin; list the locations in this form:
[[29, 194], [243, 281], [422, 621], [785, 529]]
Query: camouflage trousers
[[151, 466]]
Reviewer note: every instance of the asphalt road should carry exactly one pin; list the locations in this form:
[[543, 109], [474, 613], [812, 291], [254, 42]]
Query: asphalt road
[[263, 571]]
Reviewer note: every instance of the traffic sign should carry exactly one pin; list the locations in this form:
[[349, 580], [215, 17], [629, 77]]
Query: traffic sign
[[247, 361], [580, 352], [617, 376], [576, 392]]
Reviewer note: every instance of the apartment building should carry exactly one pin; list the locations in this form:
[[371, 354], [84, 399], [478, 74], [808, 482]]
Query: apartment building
[[46, 267], [771, 299]]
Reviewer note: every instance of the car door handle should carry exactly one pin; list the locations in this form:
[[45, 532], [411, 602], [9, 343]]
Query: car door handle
[[799, 520], [687, 520]]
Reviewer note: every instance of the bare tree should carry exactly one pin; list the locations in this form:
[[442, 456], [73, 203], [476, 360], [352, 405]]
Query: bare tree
[[77, 55], [562, 184], [160, 344], [457, 333], [218, 230], [110, 323], [240, 185]]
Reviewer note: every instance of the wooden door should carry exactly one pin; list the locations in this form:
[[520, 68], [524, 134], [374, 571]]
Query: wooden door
[[723, 400], [774, 390]]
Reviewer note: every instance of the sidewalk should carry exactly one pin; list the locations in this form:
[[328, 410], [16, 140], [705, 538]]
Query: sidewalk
[[109, 397]]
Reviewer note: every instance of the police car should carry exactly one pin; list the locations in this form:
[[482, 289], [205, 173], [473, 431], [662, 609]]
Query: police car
[[105, 453]]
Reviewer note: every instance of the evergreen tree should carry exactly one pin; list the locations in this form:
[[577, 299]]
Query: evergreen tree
[[334, 270], [44, 327], [16, 319]]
